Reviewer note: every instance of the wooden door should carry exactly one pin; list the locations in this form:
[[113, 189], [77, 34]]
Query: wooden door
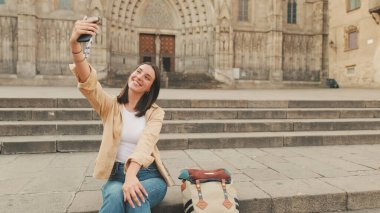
[[147, 48], [164, 52], [167, 53]]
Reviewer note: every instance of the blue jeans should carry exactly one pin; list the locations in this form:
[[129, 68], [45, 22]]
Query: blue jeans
[[112, 193]]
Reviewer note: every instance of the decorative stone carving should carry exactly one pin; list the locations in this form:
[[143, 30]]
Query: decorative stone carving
[[157, 15]]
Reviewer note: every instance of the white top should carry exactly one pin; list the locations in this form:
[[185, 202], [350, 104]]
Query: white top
[[132, 128]]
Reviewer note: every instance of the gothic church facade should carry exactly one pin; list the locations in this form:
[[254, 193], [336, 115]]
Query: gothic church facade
[[243, 43]]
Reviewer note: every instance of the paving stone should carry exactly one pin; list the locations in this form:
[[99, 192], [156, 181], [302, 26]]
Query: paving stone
[[65, 180], [27, 102], [265, 174], [72, 160], [174, 103], [326, 104], [86, 201], [173, 144], [316, 114], [239, 177], [357, 114], [15, 115], [320, 168], [268, 104], [237, 159], [280, 152], [206, 159], [50, 115], [198, 114], [67, 145], [350, 139], [262, 114], [29, 147], [303, 195], [239, 142], [93, 128], [251, 198], [219, 103], [303, 140], [365, 193], [73, 103], [36, 203], [12, 185], [18, 129], [259, 127], [191, 127], [92, 184], [252, 152]]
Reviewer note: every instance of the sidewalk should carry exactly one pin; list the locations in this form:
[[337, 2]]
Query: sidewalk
[[251, 94], [315, 178]]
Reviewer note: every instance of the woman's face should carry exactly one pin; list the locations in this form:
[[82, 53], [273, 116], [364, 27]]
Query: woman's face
[[141, 79]]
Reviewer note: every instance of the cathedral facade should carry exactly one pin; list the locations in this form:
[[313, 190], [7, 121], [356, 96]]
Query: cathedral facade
[[243, 43]]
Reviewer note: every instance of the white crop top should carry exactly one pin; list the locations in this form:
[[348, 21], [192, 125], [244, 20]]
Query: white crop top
[[132, 128]]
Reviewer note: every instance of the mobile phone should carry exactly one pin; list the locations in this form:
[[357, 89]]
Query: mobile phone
[[87, 37]]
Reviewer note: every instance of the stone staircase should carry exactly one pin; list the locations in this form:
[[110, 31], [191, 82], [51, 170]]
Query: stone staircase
[[69, 125]]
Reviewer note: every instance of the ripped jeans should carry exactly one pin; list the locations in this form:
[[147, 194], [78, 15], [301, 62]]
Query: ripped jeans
[[113, 196]]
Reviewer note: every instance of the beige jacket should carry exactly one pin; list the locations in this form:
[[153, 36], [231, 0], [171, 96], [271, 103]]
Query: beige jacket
[[109, 111]]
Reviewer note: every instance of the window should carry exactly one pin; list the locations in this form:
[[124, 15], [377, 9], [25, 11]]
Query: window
[[350, 70], [64, 4], [353, 4], [243, 10], [292, 12], [351, 34]]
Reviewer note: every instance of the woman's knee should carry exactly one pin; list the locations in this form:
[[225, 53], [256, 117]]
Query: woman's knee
[[156, 188]]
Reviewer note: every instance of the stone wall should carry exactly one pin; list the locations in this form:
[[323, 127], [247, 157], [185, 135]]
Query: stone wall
[[8, 44]]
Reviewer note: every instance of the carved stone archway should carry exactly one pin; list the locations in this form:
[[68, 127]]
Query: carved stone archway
[[190, 22]]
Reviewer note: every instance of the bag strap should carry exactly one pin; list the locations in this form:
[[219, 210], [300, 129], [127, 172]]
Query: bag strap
[[201, 203], [227, 203]]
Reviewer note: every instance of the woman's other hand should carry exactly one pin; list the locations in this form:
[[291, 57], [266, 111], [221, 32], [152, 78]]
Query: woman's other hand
[[133, 191]]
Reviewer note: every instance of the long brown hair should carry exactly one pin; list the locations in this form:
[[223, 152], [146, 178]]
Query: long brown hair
[[148, 98]]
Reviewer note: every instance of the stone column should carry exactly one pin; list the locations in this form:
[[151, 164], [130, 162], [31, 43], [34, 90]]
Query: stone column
[[274, 43], [26, 39]]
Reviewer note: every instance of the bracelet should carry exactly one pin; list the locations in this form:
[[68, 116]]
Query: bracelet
[[80, 61], [77, 52]]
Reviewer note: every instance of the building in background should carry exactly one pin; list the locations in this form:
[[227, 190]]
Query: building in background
[[354, 43], [243, 43]]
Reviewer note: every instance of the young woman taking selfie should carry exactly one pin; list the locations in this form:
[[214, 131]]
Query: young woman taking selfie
[[128, 156]]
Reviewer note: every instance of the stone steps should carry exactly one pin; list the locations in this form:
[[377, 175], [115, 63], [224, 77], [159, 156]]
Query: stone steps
[[86, 143], [47, 114], [32, 128], [93, 127], [69, 124], [194, 103]]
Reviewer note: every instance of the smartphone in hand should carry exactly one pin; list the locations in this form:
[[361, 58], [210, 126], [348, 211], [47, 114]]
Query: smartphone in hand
[[87, 37]]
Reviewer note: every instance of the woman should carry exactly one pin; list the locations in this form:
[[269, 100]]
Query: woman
[[128, 156]]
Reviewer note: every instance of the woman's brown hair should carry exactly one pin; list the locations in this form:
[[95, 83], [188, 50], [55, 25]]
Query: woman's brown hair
[[148, 98]]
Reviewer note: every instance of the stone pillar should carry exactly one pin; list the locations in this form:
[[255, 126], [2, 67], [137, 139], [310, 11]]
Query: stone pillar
[[26, 39], [224, 44], [274, 43]]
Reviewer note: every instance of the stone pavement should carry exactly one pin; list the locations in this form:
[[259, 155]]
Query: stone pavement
[[292, 179]]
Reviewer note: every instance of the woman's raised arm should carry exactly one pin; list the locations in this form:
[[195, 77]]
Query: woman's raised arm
[[82, 67]]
